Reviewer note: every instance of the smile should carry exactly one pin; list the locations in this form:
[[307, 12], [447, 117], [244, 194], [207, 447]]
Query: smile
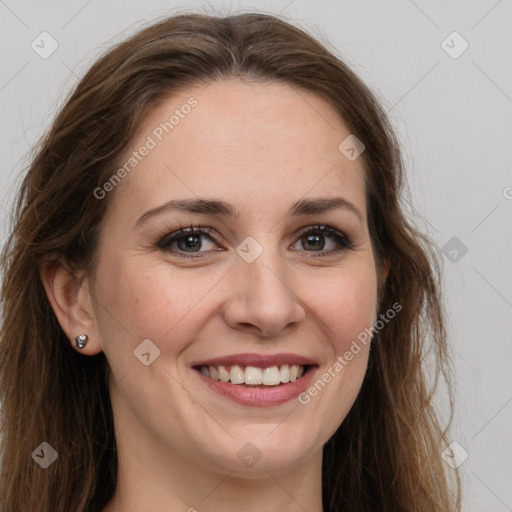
[[253, 375]]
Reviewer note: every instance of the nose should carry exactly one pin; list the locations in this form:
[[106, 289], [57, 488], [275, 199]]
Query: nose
[[263, 298]]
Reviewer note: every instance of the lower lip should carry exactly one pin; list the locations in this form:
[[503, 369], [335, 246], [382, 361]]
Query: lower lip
[[260, 397]]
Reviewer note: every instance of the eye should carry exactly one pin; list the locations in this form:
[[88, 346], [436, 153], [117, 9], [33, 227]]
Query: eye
[[187, 241], [314, 238]]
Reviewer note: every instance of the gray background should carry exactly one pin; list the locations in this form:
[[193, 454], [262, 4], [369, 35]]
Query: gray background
[[452, 115]]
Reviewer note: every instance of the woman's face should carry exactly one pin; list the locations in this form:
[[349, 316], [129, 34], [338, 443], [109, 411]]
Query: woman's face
[[258, 287]]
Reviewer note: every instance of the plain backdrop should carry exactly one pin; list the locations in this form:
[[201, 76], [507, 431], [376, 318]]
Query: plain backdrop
[[452, 111]]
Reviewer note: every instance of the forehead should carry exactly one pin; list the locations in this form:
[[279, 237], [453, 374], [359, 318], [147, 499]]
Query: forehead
[[249, 143]]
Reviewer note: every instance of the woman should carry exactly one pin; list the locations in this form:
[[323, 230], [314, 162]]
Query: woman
[[212, 298]]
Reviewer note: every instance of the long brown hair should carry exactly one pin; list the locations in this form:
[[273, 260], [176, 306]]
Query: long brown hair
[[386, 455]]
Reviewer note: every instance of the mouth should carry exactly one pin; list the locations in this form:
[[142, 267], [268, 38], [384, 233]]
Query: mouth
[[253, 376], [257, 380]]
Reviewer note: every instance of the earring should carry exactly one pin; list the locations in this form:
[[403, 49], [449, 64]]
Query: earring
[[81, 340]]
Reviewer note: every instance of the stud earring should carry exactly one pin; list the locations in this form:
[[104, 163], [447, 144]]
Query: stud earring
[[81, 340]]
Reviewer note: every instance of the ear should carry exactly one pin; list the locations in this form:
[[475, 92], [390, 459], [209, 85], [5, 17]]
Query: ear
[[68, 293]]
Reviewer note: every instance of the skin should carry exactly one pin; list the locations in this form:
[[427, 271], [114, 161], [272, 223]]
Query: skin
[[260, 147]]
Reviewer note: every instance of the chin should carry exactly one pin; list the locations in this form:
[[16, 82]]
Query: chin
[[257, 451]]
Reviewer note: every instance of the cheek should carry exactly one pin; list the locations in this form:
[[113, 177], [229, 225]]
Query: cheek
[[139, 302], [347, 305], [347, 308]]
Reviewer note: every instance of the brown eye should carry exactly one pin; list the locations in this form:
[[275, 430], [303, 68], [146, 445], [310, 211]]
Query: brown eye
[[188, 240], [314, 238]]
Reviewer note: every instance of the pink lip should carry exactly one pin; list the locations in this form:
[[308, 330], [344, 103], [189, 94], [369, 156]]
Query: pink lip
[[258, 360], [258, 396]]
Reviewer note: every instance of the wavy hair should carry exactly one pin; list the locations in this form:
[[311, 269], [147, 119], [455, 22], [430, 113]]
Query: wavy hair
[[386, 454]]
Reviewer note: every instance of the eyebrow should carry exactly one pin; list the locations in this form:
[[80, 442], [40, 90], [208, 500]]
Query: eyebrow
[[221, 208]]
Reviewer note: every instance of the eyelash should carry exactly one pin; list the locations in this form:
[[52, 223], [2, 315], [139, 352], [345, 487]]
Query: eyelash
[[341, 239]]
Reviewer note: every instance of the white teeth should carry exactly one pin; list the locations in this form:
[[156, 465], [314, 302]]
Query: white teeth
[[254, 376], [271, 376], [214, 373], [236, 375], [285, 374], [223, 374]]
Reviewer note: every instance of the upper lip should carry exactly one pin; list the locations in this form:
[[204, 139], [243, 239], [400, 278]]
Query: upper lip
[[258, 360]]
